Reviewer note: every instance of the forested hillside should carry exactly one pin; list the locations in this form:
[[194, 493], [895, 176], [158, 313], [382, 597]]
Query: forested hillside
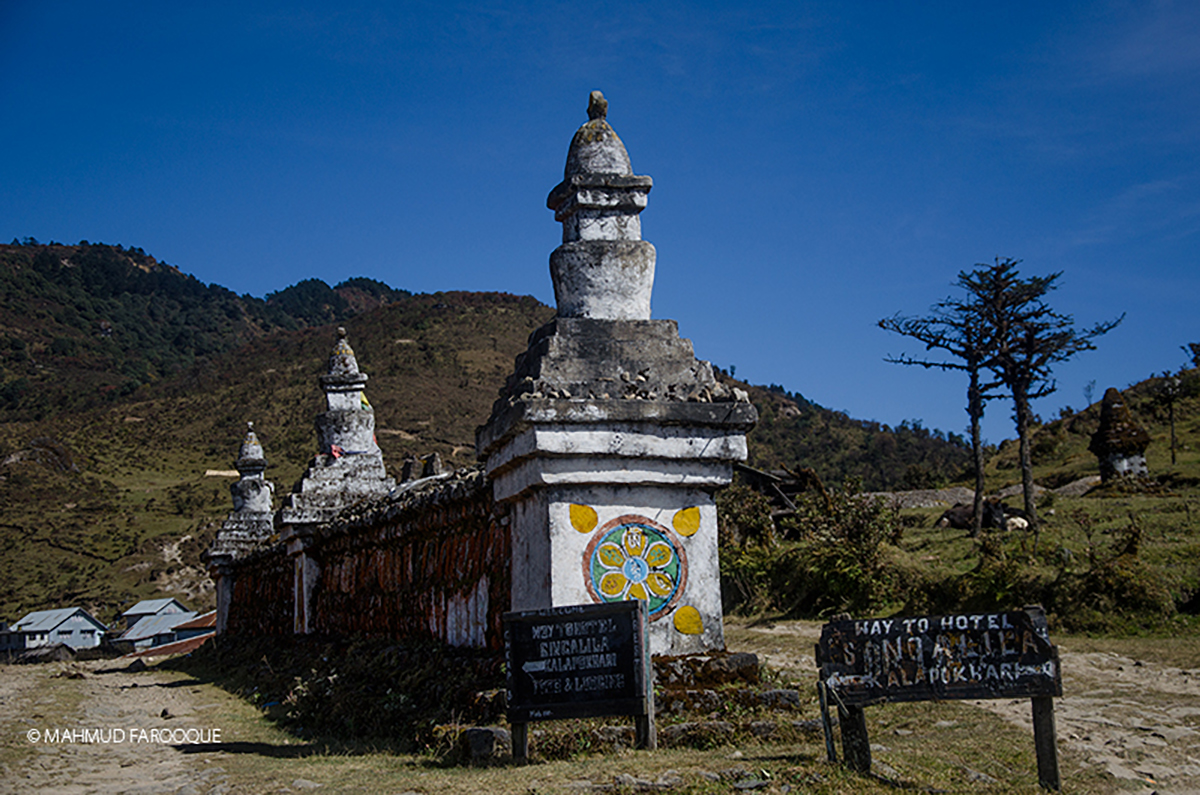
[[796, 432], [85, 325]]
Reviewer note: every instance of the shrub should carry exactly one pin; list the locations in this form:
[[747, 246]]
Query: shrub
[[744, 515], [838, 564], [1115, 592]]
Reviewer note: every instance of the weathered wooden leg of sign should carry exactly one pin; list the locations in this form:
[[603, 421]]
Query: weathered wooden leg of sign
[[520, 741], [1045, 742], [826, 723], [646, 733], [645, 730], [856, 746]]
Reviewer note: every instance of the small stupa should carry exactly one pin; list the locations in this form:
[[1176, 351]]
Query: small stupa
[[1119, 443], [248, 526]]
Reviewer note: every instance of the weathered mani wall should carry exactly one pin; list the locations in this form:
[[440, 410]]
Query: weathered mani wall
[[262, 594], [432, 560]]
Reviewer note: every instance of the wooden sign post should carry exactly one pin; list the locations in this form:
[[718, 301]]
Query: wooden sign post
[[580, 661], [935, 658]]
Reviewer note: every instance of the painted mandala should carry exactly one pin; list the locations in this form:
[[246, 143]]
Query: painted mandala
[[633, 557]]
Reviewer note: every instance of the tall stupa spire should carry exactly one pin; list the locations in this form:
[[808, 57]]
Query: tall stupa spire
[[603, 270]]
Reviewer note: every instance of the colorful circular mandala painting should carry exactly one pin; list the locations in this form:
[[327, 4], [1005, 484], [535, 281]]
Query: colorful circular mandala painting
[[632, 557]]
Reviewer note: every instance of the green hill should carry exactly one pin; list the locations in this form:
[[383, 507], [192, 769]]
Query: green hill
[[796, 432], [1060, 448], [124, 380], [111, 504]]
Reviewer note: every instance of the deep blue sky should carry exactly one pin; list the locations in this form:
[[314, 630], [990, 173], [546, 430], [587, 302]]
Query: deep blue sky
[[817, 166]]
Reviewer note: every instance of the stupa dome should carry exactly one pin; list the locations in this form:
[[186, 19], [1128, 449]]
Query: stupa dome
[[596, 148]]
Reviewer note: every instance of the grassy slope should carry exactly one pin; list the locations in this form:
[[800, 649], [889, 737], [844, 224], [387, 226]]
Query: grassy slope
[[1060, 453]]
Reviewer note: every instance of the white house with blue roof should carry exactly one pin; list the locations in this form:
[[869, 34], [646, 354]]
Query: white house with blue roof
[[148, 608], [152, 622], [154, 630], [72, 626]]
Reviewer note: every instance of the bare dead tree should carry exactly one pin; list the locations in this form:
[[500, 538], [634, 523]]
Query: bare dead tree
[[1028, 339], [955, 327]]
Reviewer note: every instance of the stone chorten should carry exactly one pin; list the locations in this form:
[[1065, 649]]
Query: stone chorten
[[349, 466], [252, 493], [610, 438], [1119, 442], [248, 526], [348, 469]]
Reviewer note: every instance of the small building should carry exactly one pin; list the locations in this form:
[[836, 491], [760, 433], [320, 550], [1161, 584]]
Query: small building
[[72, 626], [153, 607]]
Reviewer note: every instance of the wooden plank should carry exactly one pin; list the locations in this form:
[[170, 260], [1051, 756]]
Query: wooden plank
[[520, 740], [1045, 742], [826, 723], [856, 745], [645, 732]]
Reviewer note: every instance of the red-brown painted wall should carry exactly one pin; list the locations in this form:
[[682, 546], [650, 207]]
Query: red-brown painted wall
[[433, 563], [440, 570], [262, 594]]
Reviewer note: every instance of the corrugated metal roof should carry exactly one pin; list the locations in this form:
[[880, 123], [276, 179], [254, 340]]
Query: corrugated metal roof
[[47, 620], [152, 606], [178, 647], [205, 621], [155, 625]]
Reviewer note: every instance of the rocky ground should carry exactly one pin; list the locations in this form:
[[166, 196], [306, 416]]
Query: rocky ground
[[1139, 721]]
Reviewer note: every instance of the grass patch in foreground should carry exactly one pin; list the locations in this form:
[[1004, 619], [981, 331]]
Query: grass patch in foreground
[[928, 747], [950, 746]]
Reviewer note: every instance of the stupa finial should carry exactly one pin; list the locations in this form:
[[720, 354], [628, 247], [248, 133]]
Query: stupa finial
[[597, 106], [342, 361], [250, 460]]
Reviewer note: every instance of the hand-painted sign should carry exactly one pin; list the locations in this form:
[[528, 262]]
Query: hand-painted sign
[[983, 655], [578, 661]]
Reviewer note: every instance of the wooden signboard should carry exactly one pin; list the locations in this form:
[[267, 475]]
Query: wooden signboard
[[935, 658], [579, 661], [986, 655]]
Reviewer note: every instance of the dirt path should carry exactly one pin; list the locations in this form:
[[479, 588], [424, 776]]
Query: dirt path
[[1138, 721], [135, 751]]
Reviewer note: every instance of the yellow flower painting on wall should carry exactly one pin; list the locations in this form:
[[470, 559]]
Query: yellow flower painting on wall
[[633, 557]]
